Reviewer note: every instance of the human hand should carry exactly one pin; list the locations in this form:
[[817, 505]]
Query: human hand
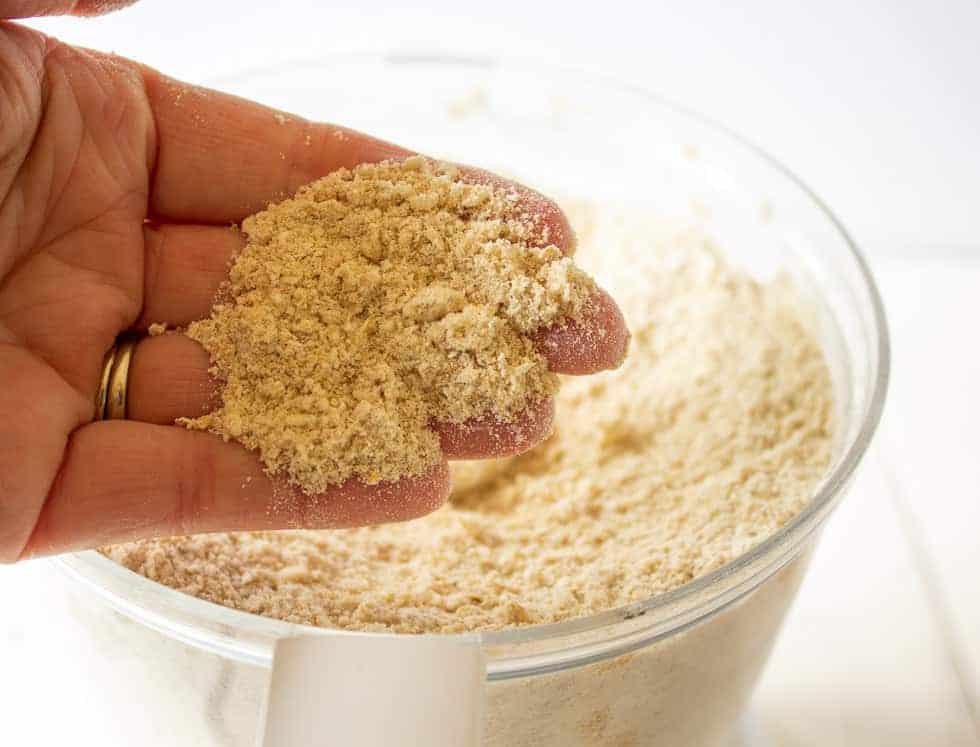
[[117, 186]]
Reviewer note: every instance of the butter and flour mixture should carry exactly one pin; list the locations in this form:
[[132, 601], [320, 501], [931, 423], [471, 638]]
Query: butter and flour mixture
[[373, 302], [710, 437]]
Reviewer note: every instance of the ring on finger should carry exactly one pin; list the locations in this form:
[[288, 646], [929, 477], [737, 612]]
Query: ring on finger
[[110, 399]]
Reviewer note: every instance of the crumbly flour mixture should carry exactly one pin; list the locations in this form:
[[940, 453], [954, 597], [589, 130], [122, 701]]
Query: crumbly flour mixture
[[373, 302], [710, 437]]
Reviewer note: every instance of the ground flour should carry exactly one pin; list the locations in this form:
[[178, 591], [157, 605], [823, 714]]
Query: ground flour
[[709, 438], [373, 302]]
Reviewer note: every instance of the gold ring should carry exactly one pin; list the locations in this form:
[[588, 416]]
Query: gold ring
[[103, 393], [110, 401]]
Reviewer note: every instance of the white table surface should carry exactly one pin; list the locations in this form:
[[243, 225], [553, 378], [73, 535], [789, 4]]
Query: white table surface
[[883, 646], [875, 104]]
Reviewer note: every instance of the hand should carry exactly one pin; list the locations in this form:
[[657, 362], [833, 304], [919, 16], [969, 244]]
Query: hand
[[117, 187]]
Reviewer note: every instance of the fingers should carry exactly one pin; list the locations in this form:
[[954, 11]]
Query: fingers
[[37, 412], [221, 158], [34, 8], [184, 267], [597, 342], [548, 222], [122, 481], [488, 438], [169, 379], [98, 7]]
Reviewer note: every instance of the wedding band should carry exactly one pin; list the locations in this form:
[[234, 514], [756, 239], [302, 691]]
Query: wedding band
[[103, 392], [110, 401]]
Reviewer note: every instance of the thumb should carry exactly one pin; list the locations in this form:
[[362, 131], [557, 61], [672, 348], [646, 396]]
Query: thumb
[[31, 8]]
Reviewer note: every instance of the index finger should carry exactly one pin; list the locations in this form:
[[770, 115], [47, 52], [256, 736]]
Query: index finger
[[34, 8], [548, 222], [221, 158], [122, 480]]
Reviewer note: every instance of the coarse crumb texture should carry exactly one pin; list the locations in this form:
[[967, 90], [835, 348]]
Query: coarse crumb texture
[[710, 437], [373, 302], [99, 7]]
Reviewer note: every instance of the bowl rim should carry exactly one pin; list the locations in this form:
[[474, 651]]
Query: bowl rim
[[789, 538]]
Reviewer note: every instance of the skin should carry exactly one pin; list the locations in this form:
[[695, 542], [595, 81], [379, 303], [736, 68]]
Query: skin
[[117, 189]]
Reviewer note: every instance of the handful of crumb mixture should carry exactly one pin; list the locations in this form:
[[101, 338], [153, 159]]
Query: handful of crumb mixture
[[372, 303]]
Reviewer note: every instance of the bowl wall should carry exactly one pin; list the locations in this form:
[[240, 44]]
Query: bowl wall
[[673, 670]]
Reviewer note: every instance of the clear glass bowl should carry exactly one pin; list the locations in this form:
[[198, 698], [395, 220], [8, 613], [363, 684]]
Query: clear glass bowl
[[676, 669]]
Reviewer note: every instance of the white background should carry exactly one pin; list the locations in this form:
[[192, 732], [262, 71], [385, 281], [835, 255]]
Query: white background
[[877, 106], [876, 103]]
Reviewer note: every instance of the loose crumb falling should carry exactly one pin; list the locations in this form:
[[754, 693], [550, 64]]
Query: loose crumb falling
[[156, 329], [710, 437], [373, 303]]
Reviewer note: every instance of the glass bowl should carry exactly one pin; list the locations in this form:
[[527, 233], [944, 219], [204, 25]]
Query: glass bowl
[[676, 669]]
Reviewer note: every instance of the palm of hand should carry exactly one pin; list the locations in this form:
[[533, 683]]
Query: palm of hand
[[118, 186], [75, 153]]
